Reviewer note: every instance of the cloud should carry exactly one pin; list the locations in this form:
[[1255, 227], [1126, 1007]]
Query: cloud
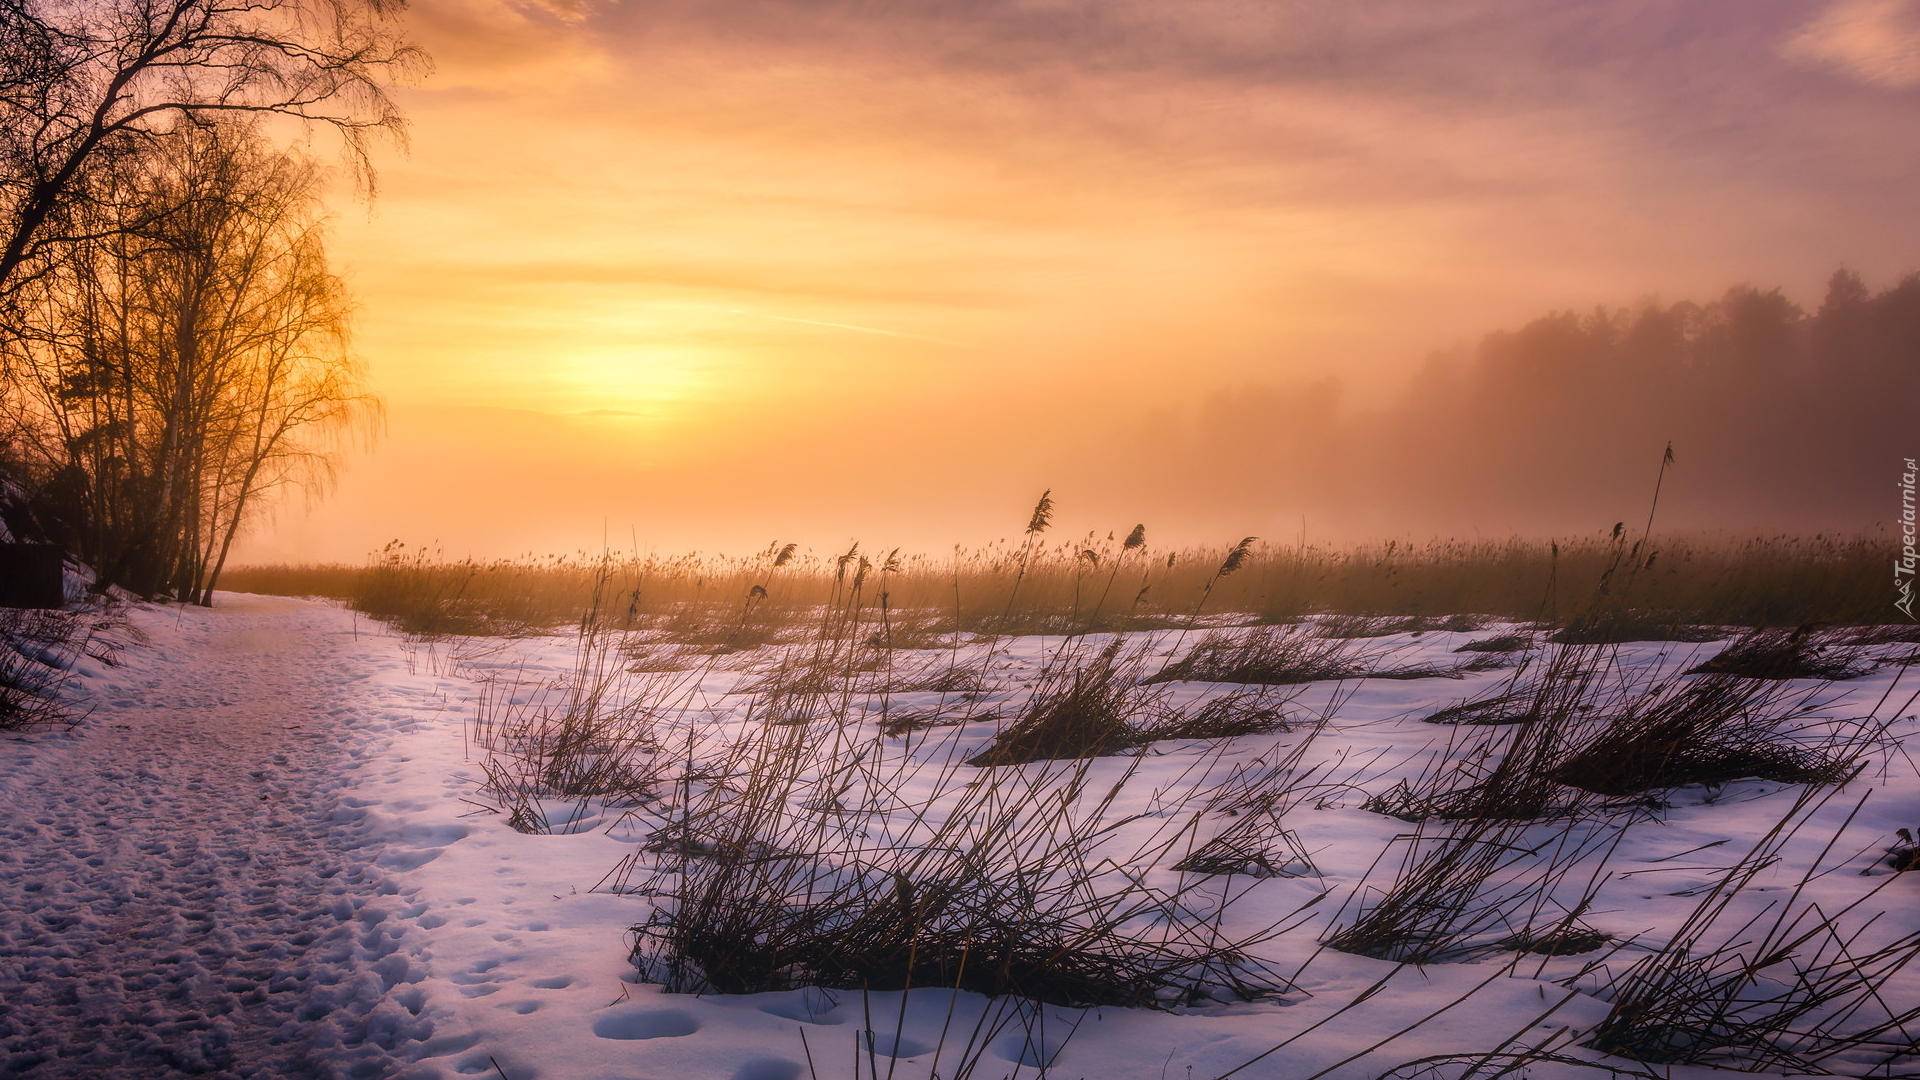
[[1873, 41], [565, 10], [1136, 199], [506, 45]]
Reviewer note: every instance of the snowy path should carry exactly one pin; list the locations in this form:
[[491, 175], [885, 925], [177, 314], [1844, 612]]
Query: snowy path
[[182, 891]]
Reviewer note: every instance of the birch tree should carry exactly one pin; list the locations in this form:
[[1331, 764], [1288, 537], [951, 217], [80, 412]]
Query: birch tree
[[189, 357]]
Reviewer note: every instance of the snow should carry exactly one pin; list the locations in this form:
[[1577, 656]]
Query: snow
[[267, 852], [188, 888]]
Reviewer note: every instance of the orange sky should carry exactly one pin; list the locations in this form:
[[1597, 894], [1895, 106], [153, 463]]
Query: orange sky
[[715, 272]]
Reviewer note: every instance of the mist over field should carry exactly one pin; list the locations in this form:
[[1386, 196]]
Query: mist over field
[[1782, 419], [1785, 415], [694, 276]]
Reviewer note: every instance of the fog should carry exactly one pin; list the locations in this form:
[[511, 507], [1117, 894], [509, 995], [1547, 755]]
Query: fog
[[1782, 417]]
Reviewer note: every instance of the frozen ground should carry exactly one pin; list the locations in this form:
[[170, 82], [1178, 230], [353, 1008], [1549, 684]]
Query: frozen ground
[[266, 854]]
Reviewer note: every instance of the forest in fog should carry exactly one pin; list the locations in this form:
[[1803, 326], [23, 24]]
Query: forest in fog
[[1781, 418]]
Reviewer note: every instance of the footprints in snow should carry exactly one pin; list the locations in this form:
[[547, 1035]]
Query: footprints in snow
[[768, 1068], [643, 1022]]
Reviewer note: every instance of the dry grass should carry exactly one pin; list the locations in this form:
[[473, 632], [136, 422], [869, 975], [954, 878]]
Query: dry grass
[[1904, 855], [1615, 626], [1709, 729], [1229, 716], [1265, 655], [1099, 706], [1499, 643], [807, 868], [1800, 653], [1789, 988], [1509, 705], [1076, 710], [1093, 584], [1255, 799], [555, 748], [1517, 737], [1473, 885], [1373, 626], [846, 840], [38, 650], [1583, 726]]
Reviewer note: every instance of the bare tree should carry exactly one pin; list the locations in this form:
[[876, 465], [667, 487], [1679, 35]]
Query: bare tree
[[187, 357], [85, 82], [171, 342]]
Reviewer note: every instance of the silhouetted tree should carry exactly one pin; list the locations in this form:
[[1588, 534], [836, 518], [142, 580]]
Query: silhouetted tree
[[170, 338], [185, 357], [84, 84]]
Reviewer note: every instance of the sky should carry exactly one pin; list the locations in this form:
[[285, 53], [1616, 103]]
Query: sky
[[713, 273]]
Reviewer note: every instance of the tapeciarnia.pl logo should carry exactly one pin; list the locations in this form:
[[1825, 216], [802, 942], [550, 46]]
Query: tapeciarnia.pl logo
[[1903, 567]]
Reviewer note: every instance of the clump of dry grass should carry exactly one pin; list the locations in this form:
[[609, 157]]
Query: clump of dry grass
[[1440, 671], [1012, 887], [31, 671], [38, 651], [1472, 885], [1255, 798], [1252, 847], [1499, 643], [1374, 626], [1508, 705], [1904, 855], [1229, 716], [1709, 729], [1582, 727], [1899, 634], [1522, 732], [1077, 710], [1267, 655], [653, 658], [957, 688], [1567, 938], [1800, 653], [944, 676], [1539, 679], [1101, 706], [1612, 626], [1791, 987], [554, 748], [802, 684], [906, 721]]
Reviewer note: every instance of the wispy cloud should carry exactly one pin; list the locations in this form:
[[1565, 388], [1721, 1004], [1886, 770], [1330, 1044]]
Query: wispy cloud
[[852, 327], [566, 10], [1873, 41], [502, 45]]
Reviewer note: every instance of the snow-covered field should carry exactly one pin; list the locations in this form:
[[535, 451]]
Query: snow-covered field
[[269, 851]]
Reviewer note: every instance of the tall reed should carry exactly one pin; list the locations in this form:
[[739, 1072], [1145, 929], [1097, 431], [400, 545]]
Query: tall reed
[[1033, 587]]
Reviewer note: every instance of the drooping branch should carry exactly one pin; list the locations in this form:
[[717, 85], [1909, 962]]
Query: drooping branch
[[81, 82]]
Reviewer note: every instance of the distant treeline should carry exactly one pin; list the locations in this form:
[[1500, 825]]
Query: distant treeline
[[1780, 421]]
